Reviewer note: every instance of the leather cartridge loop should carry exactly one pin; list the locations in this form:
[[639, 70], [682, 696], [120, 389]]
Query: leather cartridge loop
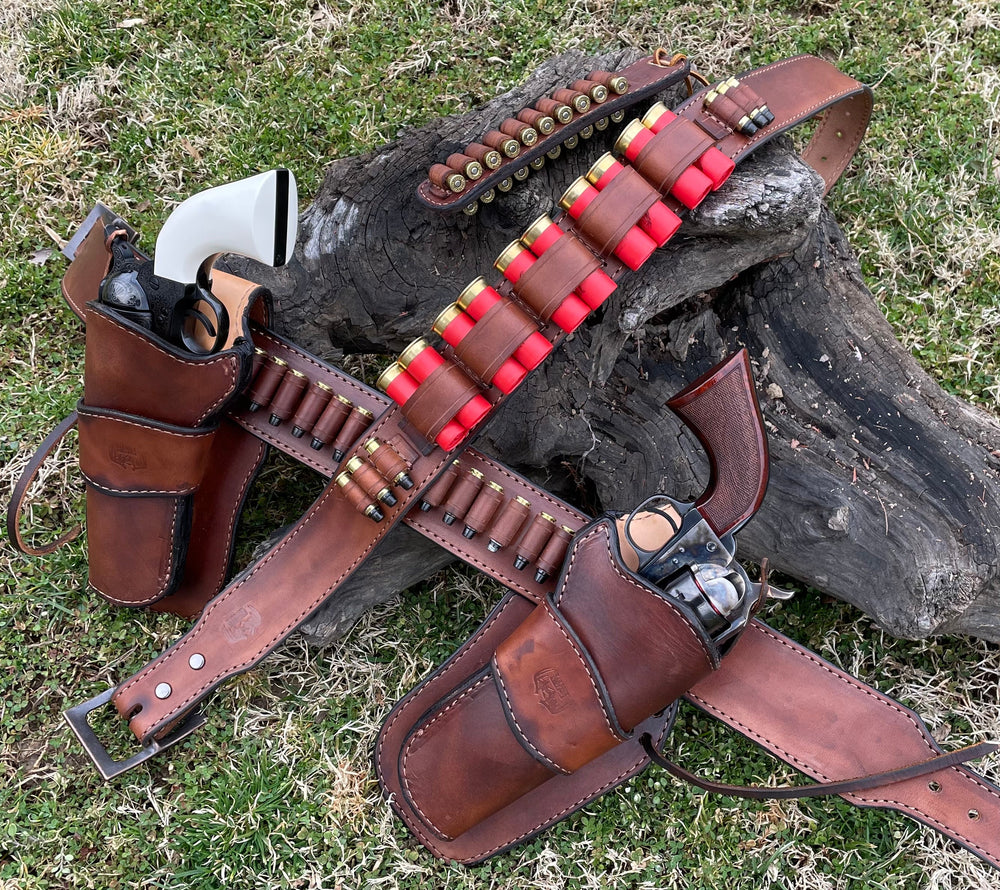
[[134, 456], [439, 398], [31, 470], [552, 695], [670, 152], [555, 275], [616, 209], [494, 338]]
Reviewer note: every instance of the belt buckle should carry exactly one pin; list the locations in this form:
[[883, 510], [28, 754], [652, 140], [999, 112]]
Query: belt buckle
[[76, 717]]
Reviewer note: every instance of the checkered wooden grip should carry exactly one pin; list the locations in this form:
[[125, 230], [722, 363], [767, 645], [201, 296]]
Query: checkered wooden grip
[[721, 409]]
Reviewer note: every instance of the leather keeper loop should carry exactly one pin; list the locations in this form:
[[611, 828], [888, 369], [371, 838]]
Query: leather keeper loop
[[726, 110], [130, 456], [557, 273], [286, 400], [463, 493], [616, 209], [670, 152], [554, 700], [439, 398], [508, 522], [484, 507], [494, 339], [745, 97]]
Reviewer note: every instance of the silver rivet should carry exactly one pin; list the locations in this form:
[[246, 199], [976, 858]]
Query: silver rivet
[[196, 662], [163, 690]]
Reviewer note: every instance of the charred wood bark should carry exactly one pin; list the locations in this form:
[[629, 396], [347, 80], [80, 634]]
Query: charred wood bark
[[884, 489]]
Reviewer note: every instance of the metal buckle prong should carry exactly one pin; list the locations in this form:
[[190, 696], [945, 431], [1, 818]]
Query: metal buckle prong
[[76, 717]]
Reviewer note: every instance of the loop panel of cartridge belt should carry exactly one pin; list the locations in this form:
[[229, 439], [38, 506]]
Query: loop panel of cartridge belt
[[485, 513]]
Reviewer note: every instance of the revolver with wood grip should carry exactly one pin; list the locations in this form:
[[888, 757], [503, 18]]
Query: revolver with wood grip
[[688, 550]]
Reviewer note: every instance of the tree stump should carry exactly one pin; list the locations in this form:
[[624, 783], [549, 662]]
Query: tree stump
[[884, 489]]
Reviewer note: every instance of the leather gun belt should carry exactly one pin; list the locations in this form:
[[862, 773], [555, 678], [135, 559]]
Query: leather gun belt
[[253, 614], [769, 688]]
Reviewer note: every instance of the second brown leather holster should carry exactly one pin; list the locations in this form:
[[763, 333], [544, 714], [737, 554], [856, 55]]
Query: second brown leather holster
[[542, 705]]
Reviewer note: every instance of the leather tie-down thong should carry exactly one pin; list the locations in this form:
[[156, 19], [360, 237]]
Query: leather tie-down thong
[[553, 735]]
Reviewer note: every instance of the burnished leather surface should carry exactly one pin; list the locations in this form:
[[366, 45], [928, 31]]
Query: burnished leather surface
[[553, 799], [830, 725], [569, 684]]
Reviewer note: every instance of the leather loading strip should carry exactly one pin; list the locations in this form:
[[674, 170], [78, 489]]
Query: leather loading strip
[[646, 77], [254, 614]]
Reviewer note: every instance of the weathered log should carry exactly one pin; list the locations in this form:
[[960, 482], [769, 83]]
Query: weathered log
[[884, 489]]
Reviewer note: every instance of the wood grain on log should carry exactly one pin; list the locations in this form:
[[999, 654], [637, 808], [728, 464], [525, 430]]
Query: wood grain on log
[[884, 490]]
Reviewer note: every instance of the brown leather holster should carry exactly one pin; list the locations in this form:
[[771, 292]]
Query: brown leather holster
[[570, 685], [165, 471]]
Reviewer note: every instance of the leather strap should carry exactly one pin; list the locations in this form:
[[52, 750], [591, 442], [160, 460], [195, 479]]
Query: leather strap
[[822, 789], [28, 475], [790, 701], [494, 338], [671, 151], [796, 90]]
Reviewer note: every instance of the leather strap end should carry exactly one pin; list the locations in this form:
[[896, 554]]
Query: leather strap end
[[16, 506], [823, 789]]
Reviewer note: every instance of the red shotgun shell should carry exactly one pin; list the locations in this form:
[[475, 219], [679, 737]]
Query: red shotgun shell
[[420, 359], [542, 234], [691, 186], [478, 298], [515, 260], [660, 222], [713, 163], [635, 247], [453, 325]]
